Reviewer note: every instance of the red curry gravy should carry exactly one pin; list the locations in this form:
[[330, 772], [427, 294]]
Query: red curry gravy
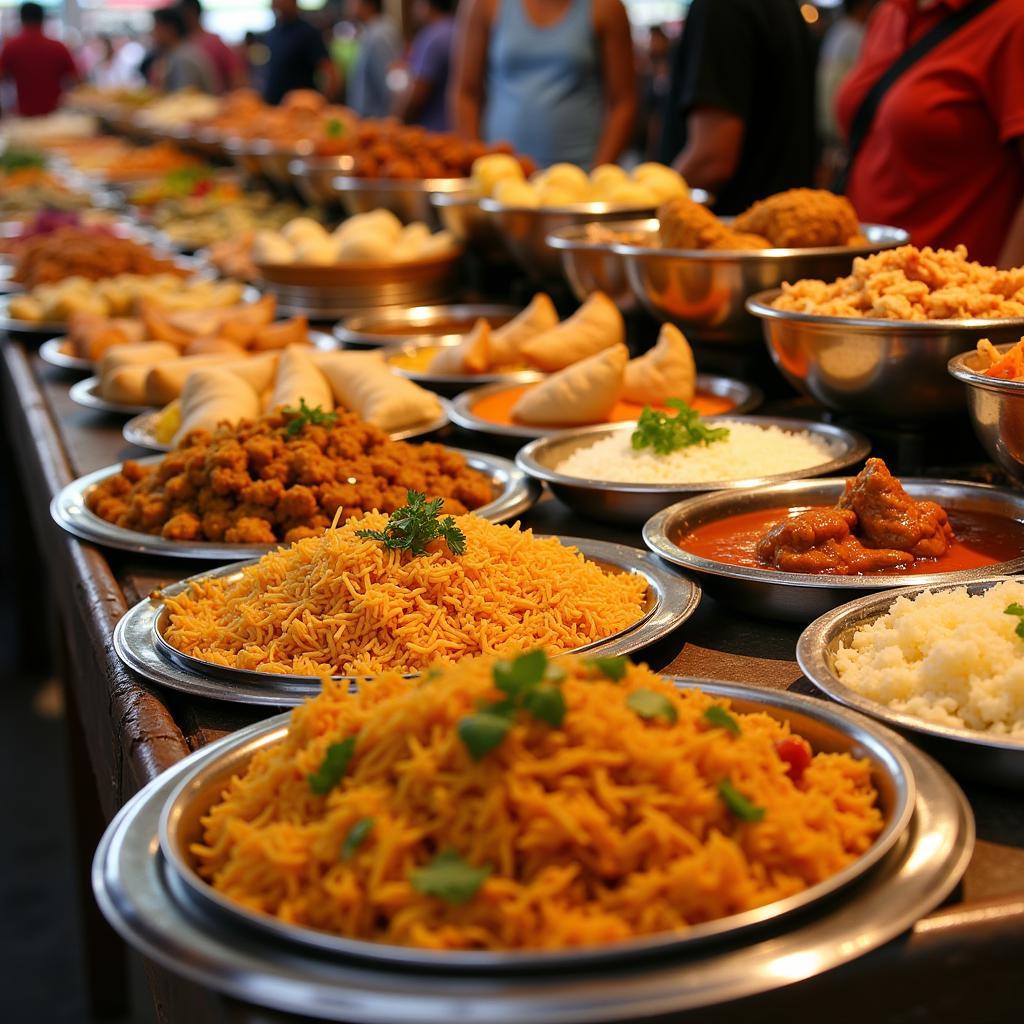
[[981, 539]]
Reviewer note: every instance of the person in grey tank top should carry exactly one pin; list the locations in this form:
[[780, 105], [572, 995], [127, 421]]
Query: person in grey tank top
[[555, 78]]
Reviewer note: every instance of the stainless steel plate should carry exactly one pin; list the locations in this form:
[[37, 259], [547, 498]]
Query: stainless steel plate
[[514, 493], [139, 430], [997, 759], [138, 643], [401, 326], [132, 883], [744, 396], [9, 323], [53, 352], [800, 597], [633, 504], [452, 383], [86, 393], [203, 787]]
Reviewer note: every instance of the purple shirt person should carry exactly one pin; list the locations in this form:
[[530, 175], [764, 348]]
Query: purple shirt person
[[425, 101]]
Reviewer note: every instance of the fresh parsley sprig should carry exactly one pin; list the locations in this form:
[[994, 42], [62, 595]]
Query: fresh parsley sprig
[[304, 414], [666, 434], [1018, 610], [449, 878], [415, 525], [333, 767]]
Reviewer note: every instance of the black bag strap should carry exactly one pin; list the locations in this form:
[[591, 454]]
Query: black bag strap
[[865, 115]]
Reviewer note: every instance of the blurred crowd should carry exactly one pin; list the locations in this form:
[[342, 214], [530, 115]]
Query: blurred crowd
[[744, 97]]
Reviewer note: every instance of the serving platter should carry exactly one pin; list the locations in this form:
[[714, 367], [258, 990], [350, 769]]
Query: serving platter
[[138, 893], [9, 323], [139, 643], [54, 352], [514, 493], [993, 758], [450, 384], [801, 597], [86, 393], [140, 429], [383, 328], [744, 397], [634, 503]]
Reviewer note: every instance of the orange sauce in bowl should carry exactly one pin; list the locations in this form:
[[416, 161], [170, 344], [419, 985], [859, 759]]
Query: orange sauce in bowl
[[497, 407], [981, 539]]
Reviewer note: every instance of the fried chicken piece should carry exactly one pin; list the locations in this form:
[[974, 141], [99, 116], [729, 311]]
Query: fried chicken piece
[[889, 518], [183, 526], [821, 540], [802, 218], [684, 224], [250, 530]]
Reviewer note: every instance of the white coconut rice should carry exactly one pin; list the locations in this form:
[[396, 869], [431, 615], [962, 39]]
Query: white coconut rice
[[946, 657], [750, 451]]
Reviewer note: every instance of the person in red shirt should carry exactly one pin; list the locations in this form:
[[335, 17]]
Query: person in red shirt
[[944, 156], [226, 65], [40, 66]]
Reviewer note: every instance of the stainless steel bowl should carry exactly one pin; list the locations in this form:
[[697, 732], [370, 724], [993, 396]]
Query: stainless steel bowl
[[407, 199], [313, 177], [460, 213], [892, 371], [982, 755], [800, 597], [996, 408], [239, 151], [591, 266], [274, 159], [450, 384], [525, 230], [703, 291], [386, 328], [633, 504]]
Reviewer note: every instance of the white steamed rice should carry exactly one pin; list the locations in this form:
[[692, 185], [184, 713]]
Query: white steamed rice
[[749, 451], [945, 657]]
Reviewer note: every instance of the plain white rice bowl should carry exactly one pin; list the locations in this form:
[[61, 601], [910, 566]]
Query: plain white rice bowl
[[945, 657], [748, 453]]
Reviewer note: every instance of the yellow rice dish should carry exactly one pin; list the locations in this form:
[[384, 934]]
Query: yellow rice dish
[[530, 804], [343, 604]]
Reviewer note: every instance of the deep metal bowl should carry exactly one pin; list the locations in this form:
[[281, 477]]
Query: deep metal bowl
[[996, 408], [407, 199], [450, 384], [385, 328], [633, 504], [703, 291], [313, 177], [273, 159], [981, 755], [239, 151], [800, 597], [591, 266], [892, 371], [460, 213]]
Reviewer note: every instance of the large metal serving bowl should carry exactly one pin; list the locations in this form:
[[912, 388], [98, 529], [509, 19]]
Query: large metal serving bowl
[[460, 213], [239, 151], [996, 408], [408, 199], [439, 325], [313, 177], [891, 371], [273, 158], [703, 291]]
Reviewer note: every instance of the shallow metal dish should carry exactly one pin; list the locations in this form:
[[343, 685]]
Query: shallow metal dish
[[460, 213], [800, 597], [139, 430], [703, 291], [86, 393], [514, 493], [996, 408], [450, 384], [54, 353], [203, 787], [982, 755], [634, 504], [887, 370], [407, 199], [401, 326], [133, 886], [744, 396], [671, 601], [591, 266]]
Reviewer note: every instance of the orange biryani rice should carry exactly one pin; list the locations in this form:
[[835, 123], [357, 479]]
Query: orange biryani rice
[[644, 809], [346, 605]]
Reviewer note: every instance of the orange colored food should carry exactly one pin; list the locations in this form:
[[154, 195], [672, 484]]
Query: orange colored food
[[497, 408]]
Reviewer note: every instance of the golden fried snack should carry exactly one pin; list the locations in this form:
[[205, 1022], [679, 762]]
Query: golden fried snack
[[802, 218], [684, 224]]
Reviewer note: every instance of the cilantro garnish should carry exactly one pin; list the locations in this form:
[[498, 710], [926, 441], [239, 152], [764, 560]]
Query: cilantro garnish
[[413, 526], [333, 767], [610, 666], [717, 716], [1018, 610], [738, 804], [651, 704], [303, 415], [666, 434], [356, 835], [448, 877]]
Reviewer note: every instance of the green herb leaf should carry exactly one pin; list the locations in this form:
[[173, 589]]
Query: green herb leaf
[[483, 732], [650, 704], [665, 434], [738, 804], [333, 767], [547, 704], [335, 128], [721, 719], [415, 525], [448, 877], [517, 676], [1018, 610], [612, 667], [303, 415], [356, 834]]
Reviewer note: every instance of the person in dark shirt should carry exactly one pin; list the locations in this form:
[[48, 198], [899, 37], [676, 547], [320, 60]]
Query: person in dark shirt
[[297, 55], [740, 114], [40, 66]]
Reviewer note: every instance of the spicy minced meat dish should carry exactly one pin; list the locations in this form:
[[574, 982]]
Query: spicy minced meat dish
[[256, 483]]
